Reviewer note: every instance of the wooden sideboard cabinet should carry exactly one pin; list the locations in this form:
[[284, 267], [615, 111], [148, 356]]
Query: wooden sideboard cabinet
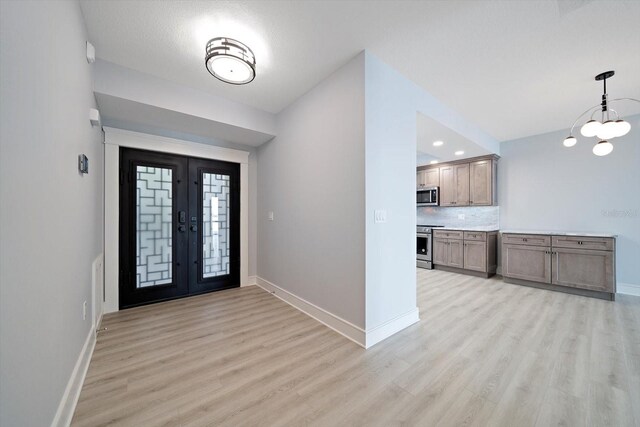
[[577, 264]]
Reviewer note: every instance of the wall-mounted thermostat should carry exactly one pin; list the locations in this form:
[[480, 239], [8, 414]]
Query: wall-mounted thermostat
[[83, 164]]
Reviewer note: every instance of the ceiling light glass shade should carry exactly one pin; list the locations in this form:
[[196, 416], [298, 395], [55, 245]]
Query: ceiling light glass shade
[[433, 162], [438, 143], [608, 130], [230, 61], [459, 153], [569, 141], [590, 128], [602, 148], [622, 127]]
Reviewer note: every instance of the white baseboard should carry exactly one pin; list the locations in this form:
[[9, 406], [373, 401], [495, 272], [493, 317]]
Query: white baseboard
[[628, 289], [251, 281], [69, 400], [343, 327], [381, 332]]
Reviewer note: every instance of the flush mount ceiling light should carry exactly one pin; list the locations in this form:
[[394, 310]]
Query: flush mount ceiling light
[[605, 129], [433, 162], [230, 61], [459, 153], [438, 143]]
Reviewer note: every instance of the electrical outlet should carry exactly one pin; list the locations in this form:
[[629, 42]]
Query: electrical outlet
[[84, 310]]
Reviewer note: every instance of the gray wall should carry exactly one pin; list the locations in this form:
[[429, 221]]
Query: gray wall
[[51, 218], [311, 175], [545, 186], [390, 185]]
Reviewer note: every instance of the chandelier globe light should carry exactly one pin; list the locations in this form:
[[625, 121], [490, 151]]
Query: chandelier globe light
[[569, 141], [607, 127], [602, 148]]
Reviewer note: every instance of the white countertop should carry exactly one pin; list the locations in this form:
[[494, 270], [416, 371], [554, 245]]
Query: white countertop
[[560, 233], [485, 228]]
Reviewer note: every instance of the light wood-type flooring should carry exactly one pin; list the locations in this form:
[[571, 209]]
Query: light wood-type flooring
[[484, 353]]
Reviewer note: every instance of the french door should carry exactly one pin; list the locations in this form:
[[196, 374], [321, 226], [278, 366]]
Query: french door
[[179, 226]]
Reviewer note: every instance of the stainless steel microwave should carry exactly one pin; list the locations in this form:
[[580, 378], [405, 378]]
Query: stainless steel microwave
[[428, 196]]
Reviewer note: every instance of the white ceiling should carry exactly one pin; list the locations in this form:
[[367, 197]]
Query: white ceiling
[[429, 130], [514, 68]]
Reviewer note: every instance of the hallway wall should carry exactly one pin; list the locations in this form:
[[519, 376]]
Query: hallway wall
[[51, 217]]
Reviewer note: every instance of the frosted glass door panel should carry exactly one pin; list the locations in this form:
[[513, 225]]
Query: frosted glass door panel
[[215, 225], [153, 226]]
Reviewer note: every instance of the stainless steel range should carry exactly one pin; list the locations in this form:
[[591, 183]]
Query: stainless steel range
[[425, 246]]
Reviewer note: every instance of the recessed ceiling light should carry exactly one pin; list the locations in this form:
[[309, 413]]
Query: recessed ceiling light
[[230, 61], [433, 162], [459, 153], [438, 143]]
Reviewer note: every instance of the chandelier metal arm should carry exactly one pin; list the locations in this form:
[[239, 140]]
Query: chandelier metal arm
[[625, 99]]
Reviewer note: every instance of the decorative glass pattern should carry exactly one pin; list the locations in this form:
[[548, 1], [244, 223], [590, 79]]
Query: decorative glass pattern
[[153, 226], [215, 225]]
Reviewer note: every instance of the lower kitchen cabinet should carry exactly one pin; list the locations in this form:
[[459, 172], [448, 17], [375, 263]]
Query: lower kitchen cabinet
[[470, 252], [583, 268], [475, 256], [526, 262], [572, 264], [448, 252]]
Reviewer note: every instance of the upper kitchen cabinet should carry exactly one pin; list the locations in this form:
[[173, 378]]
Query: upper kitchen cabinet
[[454, 185], [469, 182], [428, 178], [482, 183]]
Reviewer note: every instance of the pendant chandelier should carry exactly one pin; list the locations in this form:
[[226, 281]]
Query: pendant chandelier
[[610, 125]]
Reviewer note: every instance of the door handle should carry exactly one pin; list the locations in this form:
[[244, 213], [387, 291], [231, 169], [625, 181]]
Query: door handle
[[194, 228], [182, 228]]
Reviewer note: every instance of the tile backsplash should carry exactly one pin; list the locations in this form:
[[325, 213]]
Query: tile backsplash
[[451, 217]]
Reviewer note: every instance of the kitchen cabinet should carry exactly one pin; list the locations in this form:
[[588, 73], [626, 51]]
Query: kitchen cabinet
[[448, 252], [475, 255], [432, 177], [481, 183], [428, 178], [579, 264], [420, 179], [526, 262], [583, 268], [465, 251], [470, 182], [454, 185]]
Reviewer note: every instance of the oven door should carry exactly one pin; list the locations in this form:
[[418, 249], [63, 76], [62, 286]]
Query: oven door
[[424, 247]]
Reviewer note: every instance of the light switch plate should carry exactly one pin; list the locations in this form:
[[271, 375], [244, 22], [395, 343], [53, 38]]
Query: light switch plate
[[460, 216], [380, 216], [270, 216]]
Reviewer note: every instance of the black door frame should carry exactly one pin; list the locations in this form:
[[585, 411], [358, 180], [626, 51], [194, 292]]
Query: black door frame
[[187, 244]]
